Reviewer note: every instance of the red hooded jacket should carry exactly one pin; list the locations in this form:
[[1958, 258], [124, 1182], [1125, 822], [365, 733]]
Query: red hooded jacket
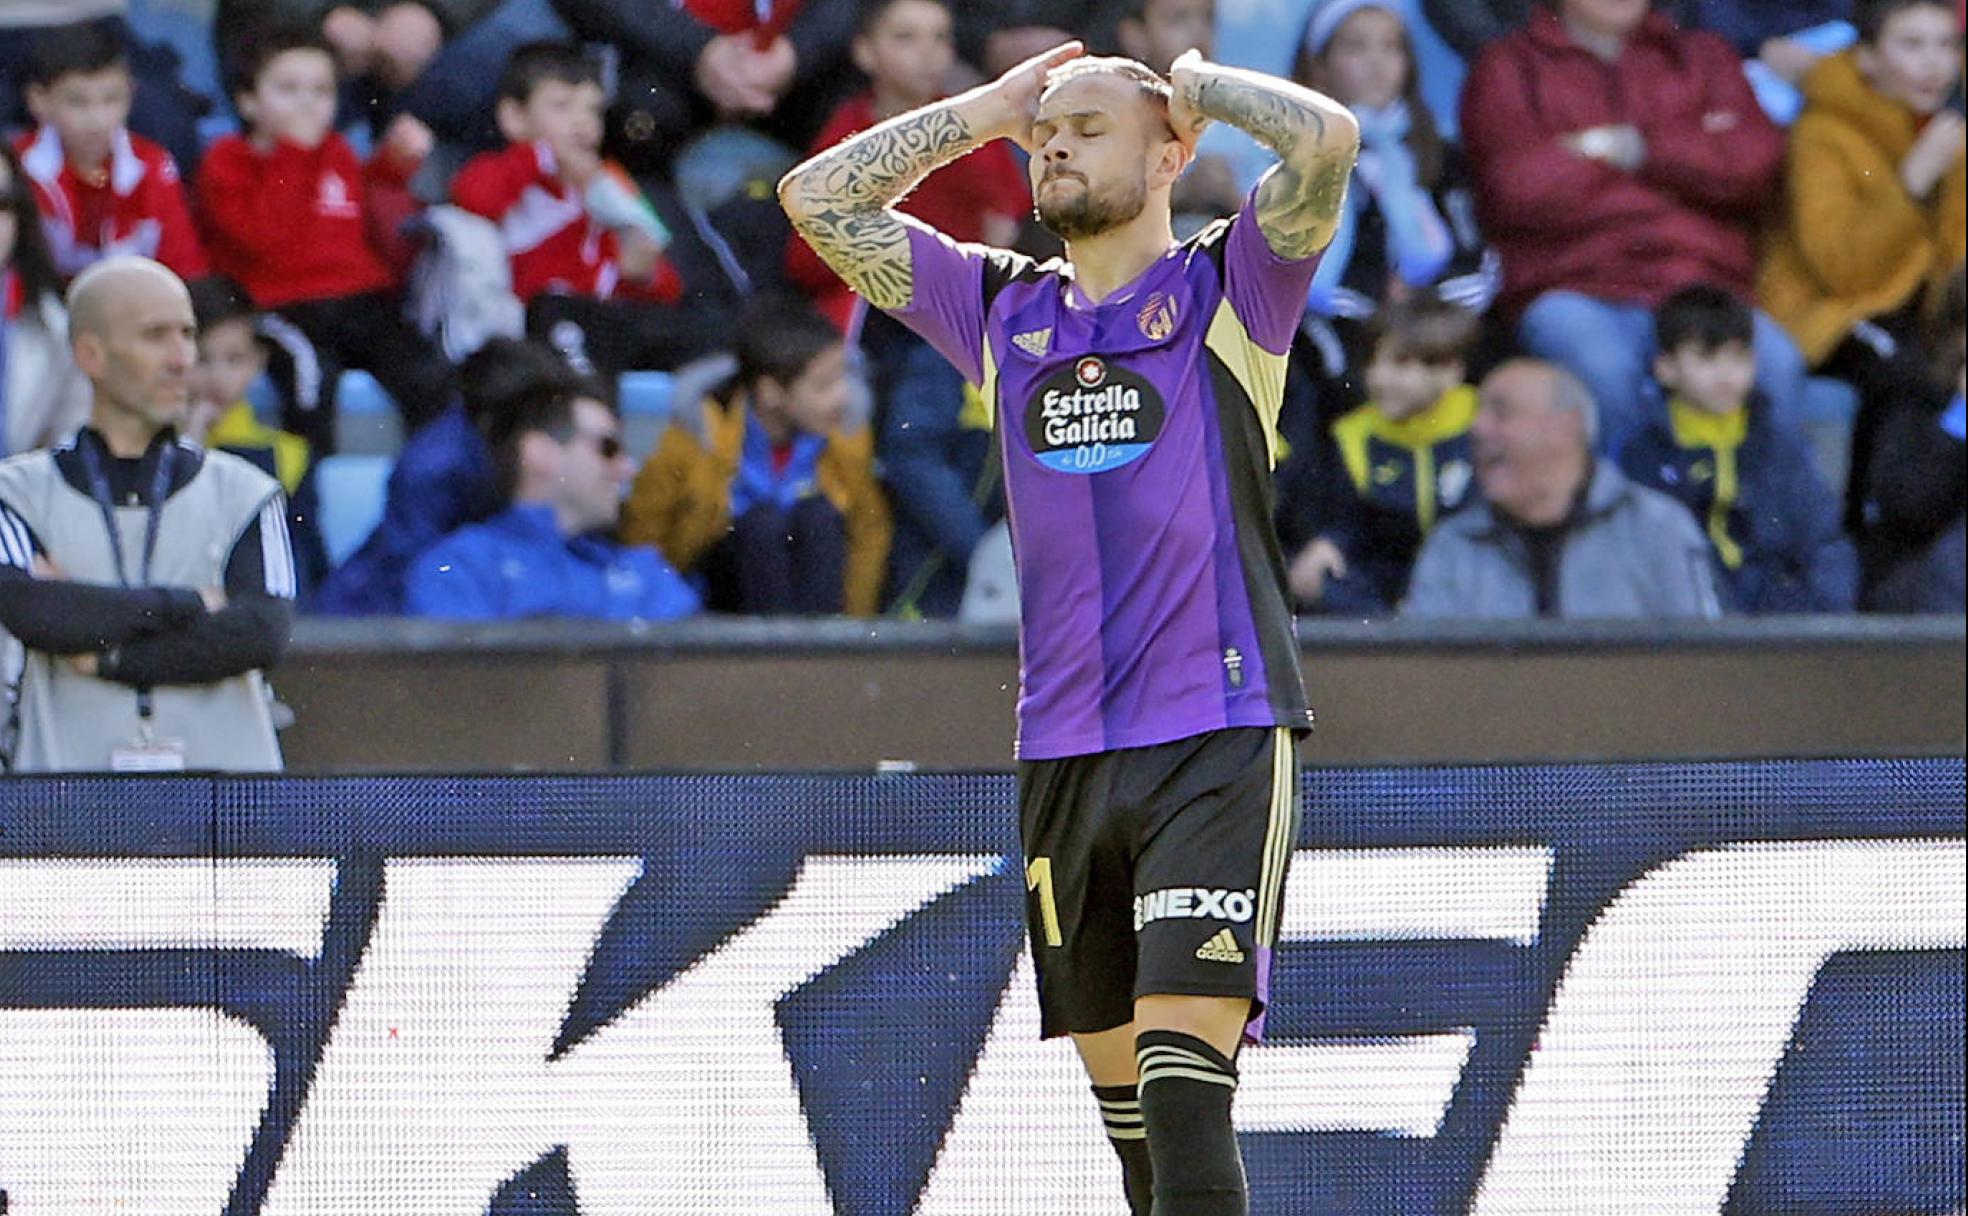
[[1689, 214]]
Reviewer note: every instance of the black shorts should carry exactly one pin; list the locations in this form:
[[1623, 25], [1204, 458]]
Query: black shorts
[[1156, 870]]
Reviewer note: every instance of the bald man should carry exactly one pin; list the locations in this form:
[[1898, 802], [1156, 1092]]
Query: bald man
[[150, 582], [1558, 533]]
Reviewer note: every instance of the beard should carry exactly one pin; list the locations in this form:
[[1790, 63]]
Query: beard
[[1091, 212]]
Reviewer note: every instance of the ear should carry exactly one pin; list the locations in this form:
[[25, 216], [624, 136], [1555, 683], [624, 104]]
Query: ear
[[511, 117], [91, 356], [538, 453], [1664, 370], [863, 57], [1866, 59], [1169, 164], [37, 102], [248, 107]]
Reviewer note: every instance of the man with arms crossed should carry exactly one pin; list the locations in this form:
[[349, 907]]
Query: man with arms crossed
[[1136, 385]]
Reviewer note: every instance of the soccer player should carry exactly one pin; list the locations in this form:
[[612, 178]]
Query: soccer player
[[1136, 385]]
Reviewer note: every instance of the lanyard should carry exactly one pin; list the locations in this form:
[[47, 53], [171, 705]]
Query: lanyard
[[160, 488]]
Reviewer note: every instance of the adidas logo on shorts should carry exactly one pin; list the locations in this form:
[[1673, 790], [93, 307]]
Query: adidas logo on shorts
[[1222, 948]]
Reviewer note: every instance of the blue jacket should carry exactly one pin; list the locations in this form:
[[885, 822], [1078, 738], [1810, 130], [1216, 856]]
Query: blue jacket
[[1771, 520], [443, 478], [518, 565]]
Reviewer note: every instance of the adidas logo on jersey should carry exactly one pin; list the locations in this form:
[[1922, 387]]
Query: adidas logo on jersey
[[1222, 948], [1034, 342]]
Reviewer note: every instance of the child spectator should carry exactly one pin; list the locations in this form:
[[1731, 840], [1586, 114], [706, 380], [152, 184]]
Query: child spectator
[[102, 191], [43, 395], [764, 489], [1156, 32], [1914, 556], [1410, 220], [165, 109], [444, 477], [230, 358], [1876, 208], [905, 47], [1618, 159], [289, 212], [550, 553], [1749, 480], [586, 250], [1403, 460]]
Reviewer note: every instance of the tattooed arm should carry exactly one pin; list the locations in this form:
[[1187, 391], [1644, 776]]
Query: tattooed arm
[[843, 200], [1316, 139]]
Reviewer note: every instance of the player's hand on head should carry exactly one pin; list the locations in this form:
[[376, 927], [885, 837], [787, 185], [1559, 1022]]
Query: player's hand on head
[[1184, 119], [1020, 87]]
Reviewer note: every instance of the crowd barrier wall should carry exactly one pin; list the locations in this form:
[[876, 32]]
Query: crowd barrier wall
[[1577, 990], [726, 695]]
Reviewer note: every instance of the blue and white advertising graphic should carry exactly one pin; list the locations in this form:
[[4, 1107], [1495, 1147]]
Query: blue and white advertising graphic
[[1641, 990]]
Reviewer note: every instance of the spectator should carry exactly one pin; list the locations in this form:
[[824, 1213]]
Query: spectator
[[436, 61], [102, 191], [164, 109], [586, 250], [1403, 460], [685, 65], [550, 553], [443, 478], [935, 453], [1558, 532], [289, 211], [904, 48], [144, 649], [1750, 482], [1876, 208], [1468, 26], [1919, 486], [764, 489], [1155, 32], [1410, 221], [1618, 159], [43, 395], [231, 358]]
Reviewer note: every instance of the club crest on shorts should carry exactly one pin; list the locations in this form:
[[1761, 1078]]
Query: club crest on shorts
[[1092, 416]]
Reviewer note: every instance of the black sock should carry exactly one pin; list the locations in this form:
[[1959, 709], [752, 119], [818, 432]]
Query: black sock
[[1186, 1088], [1120, 1110]]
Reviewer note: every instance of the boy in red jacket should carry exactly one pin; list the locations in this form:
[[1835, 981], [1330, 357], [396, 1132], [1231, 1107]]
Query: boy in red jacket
[[586, 250], [101, 190], [291, 215], [905, 48]]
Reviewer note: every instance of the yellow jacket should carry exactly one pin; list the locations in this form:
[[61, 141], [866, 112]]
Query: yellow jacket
[[681, 500], [1853, 243]]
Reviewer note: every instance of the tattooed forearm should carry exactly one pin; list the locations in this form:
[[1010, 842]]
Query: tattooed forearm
[[842, 200], [1316, 139]]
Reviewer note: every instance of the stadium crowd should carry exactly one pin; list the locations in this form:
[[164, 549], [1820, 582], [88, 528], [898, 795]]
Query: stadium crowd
[[1662, 316]]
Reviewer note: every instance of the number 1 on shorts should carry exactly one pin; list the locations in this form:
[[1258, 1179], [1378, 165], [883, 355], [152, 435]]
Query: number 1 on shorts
[[1038, 877]]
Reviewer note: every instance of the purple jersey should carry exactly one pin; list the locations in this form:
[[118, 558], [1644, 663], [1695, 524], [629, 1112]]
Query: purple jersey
[[1138, 438]]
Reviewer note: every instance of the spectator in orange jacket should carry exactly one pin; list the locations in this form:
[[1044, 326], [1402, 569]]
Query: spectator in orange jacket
[[1618, 159], [1877, 211], [765, 491], [291, 215]]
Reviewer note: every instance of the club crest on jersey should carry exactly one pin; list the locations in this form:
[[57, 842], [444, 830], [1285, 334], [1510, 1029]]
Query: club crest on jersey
[[1157, 317], [1092, 416], [1034, 342]]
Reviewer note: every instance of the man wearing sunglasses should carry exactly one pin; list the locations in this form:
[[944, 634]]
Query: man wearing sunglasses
[[552, 551]]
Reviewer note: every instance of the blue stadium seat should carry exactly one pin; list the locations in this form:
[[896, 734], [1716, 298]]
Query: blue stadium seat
[[644, 399], [366, 419], [351, 489]]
